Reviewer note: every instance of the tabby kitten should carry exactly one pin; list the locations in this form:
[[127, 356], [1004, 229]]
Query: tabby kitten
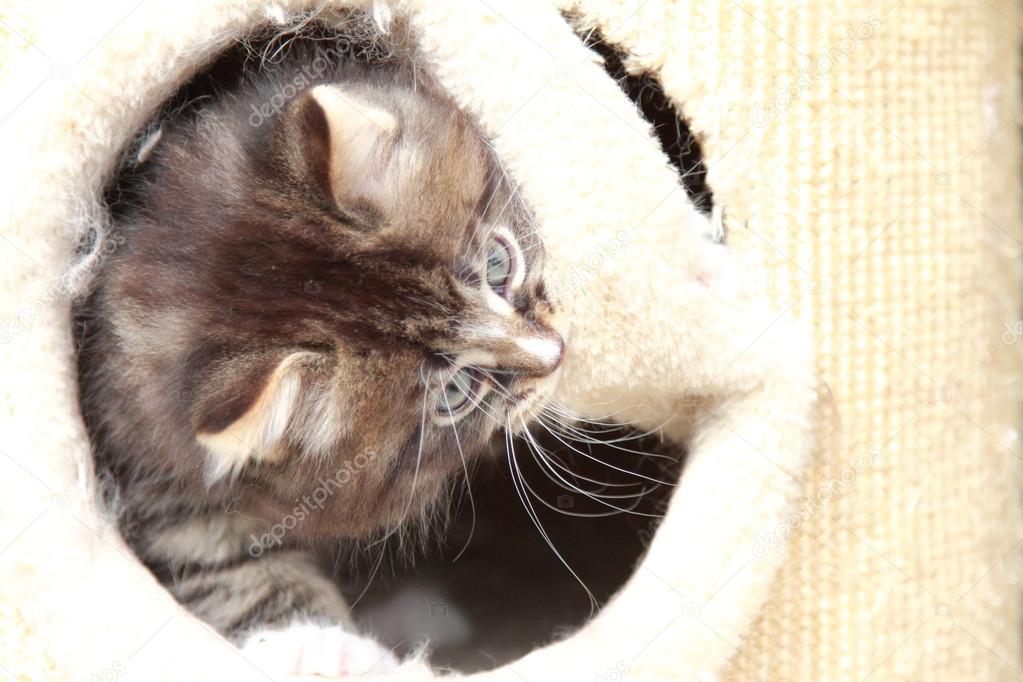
[[314, 320]]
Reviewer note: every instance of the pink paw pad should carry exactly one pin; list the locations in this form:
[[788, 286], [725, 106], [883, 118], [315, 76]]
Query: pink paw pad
[[308, 649]]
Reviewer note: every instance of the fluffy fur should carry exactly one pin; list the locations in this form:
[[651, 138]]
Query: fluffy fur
[[311, 274]]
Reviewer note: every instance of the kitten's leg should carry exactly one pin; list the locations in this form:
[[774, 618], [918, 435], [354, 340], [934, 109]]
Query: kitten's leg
[[275, 604], [305, 648]]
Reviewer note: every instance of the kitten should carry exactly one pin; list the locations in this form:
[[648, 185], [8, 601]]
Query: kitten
[[314, 320]]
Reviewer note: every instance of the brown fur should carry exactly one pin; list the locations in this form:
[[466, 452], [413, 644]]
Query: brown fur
[[246, 251]]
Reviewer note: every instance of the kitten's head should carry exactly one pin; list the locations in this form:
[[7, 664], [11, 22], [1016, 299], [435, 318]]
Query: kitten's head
[[348, 297]]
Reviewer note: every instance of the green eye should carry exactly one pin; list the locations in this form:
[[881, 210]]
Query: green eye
[[500, 265], [458, 392]]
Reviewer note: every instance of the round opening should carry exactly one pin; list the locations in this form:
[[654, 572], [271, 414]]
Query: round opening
[[529, 551]]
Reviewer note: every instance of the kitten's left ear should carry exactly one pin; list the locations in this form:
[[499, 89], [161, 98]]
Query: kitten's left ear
[[350, 146], [244, 415]]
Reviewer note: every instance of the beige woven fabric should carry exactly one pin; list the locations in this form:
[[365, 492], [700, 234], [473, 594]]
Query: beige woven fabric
[[867, 154], [899, 210]]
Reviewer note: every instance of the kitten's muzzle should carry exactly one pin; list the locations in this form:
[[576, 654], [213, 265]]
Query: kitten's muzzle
[[537, 357], [527, 350]]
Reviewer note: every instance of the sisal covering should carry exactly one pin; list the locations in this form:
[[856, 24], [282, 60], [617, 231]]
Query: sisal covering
[[866, 158], [891, 218]]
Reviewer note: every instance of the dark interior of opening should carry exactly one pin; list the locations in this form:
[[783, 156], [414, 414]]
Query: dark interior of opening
[[490, 589], [677, 141]]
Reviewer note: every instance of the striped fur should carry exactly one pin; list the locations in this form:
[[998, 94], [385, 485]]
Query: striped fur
[[263, 362]]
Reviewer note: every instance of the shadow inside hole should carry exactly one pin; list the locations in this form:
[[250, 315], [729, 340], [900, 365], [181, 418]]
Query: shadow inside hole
[[508, 593], [677, 142]]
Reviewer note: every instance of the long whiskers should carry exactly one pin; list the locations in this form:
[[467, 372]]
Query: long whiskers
[[468, 486], [586, 515], [600, 499], [481, 243], [549, 459], [604, 423], [574, 434], [600, 461], [521, 491]]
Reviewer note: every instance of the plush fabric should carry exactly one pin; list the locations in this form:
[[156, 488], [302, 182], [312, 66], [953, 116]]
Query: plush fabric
[[871, 206], [867, 155]]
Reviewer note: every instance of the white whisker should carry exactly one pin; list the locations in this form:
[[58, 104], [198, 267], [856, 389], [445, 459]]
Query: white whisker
[[548, 460], [573, 434], [600, 461], [468, 486], [516, 475], [629, 510]]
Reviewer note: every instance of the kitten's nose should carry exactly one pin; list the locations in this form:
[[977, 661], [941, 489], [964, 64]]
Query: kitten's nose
[[525, 350], [544, 354]]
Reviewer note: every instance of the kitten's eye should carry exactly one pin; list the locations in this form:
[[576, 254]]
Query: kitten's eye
[[458, 392], [500, 265]]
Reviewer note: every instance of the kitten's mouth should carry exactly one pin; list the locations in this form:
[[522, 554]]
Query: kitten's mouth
[[527, 404]]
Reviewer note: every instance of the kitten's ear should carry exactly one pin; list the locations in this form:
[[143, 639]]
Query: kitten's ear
[[349, 146], [243, 416]]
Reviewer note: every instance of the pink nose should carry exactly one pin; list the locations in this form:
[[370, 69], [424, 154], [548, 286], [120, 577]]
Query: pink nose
[[542, 354]]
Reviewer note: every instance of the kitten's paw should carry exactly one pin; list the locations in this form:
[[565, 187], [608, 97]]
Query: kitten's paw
[[309, 649]]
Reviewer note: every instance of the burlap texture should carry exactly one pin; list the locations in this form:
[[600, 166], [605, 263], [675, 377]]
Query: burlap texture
[[867, 155]]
